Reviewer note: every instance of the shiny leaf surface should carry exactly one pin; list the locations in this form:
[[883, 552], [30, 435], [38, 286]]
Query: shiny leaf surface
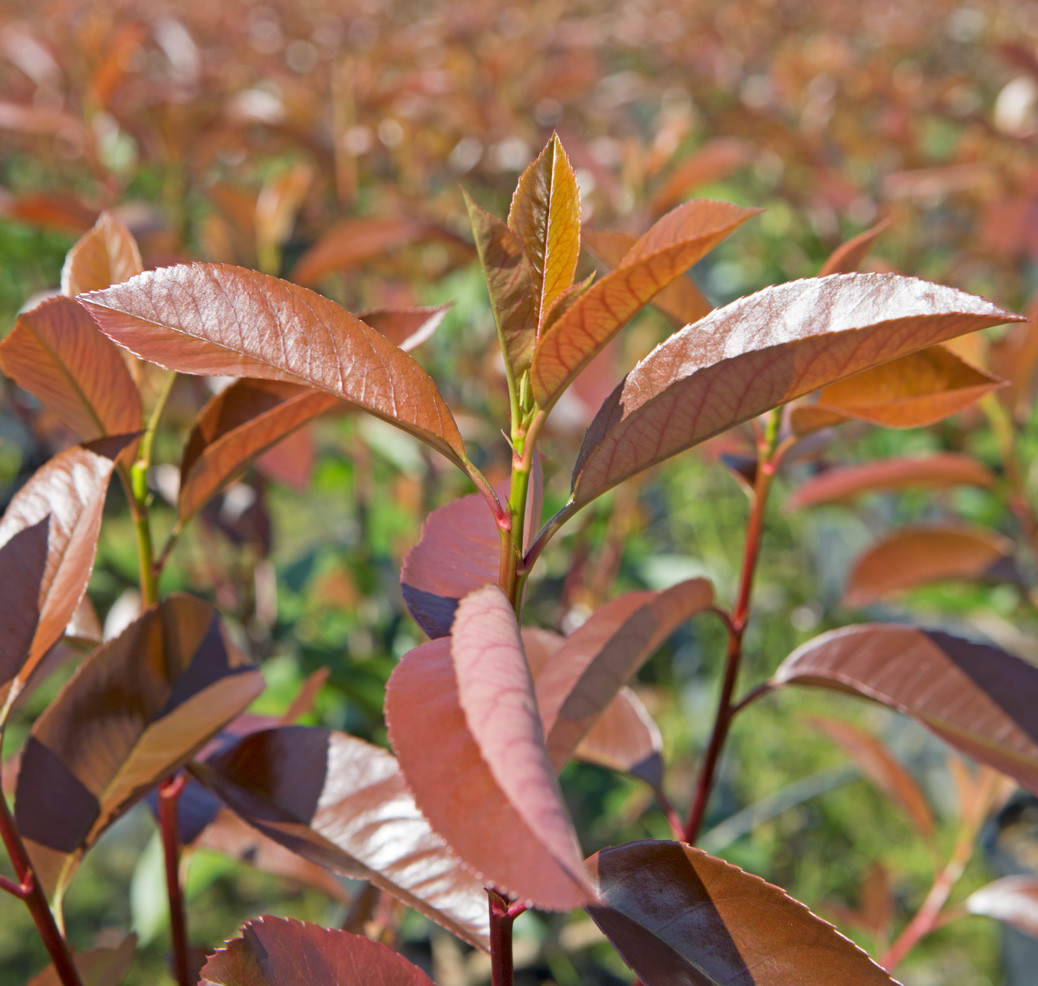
[[105, 255]]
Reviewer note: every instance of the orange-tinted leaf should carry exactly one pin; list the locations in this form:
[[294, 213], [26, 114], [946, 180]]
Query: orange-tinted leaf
[[847, 257], [1015, 358], [759, 352], [922, 555], [672, 245], [1012, 900], [56, 353], [843, 483], [135, 711], [282, 952], [344, 804], [545, 213], [106, 255], [711, 162], [221, 320], [678, 915], [277, 205], [97, 967], [974, 696], [407, 328]]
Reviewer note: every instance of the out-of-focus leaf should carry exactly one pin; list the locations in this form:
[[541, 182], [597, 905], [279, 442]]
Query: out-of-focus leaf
[[1012, 900], [136, 710], [713, 161], [97, 967], [598, 658], [407, 328], [277, 205], [344, 804], [974, 696], [282, 952], [463, 707], [48, 538], [672, 245], [847, 257], [678, 915], [1014, 357], [842, 483], [105, 255], [759, 352], [922, 555], [57, 354], [880, 766], [220, 320]]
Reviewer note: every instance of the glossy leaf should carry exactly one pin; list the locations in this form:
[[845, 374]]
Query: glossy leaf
[[48, 538], [678, 915], [220, 320], [106, 255], [282, 952], [57, 354], [847, 257], [919, 556], [974, 696], [344, 804], [407, 328], [1012, 900], [759, 352], [672, 245], [136, 710]]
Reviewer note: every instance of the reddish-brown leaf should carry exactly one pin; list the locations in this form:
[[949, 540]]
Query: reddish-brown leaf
[[843, 483], [344, 804], [678, 915], [220, 320], [847, 257], [407, 328], [672, 245], [711, 162], [922, 555], [759, 352], [1012, 899], [105, 255], [277, 205], [974, 696], [56, 353], [282, 952], [136, 710], [97, 967]]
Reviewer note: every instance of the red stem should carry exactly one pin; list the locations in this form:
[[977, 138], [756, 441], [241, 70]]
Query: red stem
[[502, 917], [169, 795]]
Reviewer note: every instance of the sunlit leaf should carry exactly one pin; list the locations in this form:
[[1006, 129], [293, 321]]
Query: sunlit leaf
[[407, 328], [343, 803], [974, 696], [1012, 900], [847, 257], [759, 352], [106, 255], [219, 320], [713, 161], [282, 952], [135, 711], [678, 915], [666, 251]]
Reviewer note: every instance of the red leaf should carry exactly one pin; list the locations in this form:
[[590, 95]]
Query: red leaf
[[105, 255], [1013, 900], [407, 328], [847, 257], [96, 967]]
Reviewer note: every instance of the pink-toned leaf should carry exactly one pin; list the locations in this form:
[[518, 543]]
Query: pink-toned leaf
[[974, 696], [220, 320], [282, 952], [759, 352], [96, 967], [106, 255], [678, 915], [847, 257], [842, 483], [672, 245], [1012, 900], [343, 803], [136, 710], [919, 556], [56, 353], [598, 658]]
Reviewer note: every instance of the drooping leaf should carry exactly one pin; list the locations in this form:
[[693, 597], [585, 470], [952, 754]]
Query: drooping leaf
[[974, 696], [344, 804], [96, 967], [48, 538], [678, 915], [545, 213], [107, 254], [847, 257], [283, 952], [759, 352], [57, 354], [507, 820], [407, 328], [672, 245], [134, 712], [227, 321], [1012, 900], [842, 483], [919, 556]]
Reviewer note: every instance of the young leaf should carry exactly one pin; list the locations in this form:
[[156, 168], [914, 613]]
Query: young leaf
[[282, 952], [96, 967], [343, 803], [56, 353], [134, 712], [759, 352], [227, 321], [407, 328], [1012, 900], [976, 697], [672, 245], [106, 255], [678, 915], [847, 257]]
